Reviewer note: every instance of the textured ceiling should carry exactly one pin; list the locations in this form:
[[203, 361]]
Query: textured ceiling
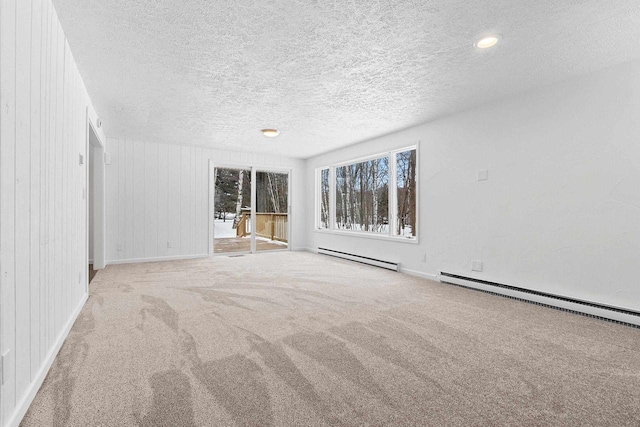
[[327, 73]]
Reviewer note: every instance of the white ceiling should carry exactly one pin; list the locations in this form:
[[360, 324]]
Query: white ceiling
[[327, 73]]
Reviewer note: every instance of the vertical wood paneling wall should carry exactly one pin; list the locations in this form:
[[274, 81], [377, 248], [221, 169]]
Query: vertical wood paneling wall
[[43, 272], [159, 193]]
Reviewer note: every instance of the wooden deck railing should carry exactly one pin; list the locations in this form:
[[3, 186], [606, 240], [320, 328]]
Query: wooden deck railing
[[273, 226]]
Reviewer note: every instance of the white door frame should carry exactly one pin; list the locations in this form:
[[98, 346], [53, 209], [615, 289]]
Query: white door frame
[[97, 195]]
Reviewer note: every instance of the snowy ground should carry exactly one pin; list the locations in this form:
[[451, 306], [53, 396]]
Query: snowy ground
[[382, 229], [223, 229]]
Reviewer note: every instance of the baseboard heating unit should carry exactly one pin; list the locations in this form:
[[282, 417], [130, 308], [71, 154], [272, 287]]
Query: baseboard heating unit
[[389, 265], [591, 309]]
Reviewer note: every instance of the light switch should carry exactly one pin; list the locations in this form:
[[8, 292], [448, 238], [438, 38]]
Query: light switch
[[483, 175], [81, 159], [107, 158]]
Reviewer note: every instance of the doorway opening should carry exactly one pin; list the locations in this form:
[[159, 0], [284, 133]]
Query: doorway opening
[[272, 211], [95, 203], [231, 232], [251, 210]]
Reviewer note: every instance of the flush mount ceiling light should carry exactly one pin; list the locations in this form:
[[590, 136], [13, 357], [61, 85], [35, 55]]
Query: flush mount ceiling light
[[270, 133], [487, 41]]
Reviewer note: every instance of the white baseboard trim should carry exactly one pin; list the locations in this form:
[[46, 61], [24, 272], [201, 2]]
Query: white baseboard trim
[[584, 307], [416, 273], [22, 406], [156, 259]]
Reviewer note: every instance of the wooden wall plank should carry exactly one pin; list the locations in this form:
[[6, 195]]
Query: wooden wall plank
[[51, 165], [7, 196], [64, 185], [111, 209], [59, 263], [36, 183], [138, 199], [163, 208], [22, 196], [184, 169], [200, 209], [150, 200], [129, 199], [175, 211], [122, 214], [193, 201], [44, 113]]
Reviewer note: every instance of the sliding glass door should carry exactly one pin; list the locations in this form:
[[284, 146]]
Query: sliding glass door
[[272, 211], [238, 227]]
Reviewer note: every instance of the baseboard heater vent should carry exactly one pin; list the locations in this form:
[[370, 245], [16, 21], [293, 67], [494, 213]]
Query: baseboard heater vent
[[573, 305], [389, 265]]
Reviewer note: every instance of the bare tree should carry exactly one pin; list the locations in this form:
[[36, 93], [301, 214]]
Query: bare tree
[[374, 195], [348, 187], [324, 204], [239, 198], [273, 193]]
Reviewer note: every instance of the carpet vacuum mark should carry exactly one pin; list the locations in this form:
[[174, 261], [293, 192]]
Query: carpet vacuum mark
[[324, 342]]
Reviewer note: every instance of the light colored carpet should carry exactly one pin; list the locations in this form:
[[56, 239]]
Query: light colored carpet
[[296, 339]]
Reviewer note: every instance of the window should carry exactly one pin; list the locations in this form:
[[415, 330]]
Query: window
[[376, 196], [324, 199], [405, 224], [362, 196]]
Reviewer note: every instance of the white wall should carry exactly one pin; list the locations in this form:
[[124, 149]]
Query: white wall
[[42, 210], [159, 193], [560, 212]]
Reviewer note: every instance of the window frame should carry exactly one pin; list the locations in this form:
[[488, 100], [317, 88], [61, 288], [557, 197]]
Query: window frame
[[392, 186], [318, 198]]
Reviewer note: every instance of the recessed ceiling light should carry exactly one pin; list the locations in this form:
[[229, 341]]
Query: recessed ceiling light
[[270, 133], [487, 41]]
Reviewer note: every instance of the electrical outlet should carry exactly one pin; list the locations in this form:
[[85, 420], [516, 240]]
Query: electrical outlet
[[169, 245], [119, 247], [483, 175], [476, 265]]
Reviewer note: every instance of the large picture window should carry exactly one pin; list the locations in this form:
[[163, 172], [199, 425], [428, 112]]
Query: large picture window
[[362, 196], [375, 195]]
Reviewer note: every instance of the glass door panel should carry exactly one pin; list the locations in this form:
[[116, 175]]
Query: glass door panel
[[272, 211], [232, 211]]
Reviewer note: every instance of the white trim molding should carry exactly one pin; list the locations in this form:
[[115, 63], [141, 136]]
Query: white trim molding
[[22, 406], [156, 259]]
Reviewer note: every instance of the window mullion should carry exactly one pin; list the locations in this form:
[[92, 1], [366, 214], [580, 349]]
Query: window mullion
[[392, 193]]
